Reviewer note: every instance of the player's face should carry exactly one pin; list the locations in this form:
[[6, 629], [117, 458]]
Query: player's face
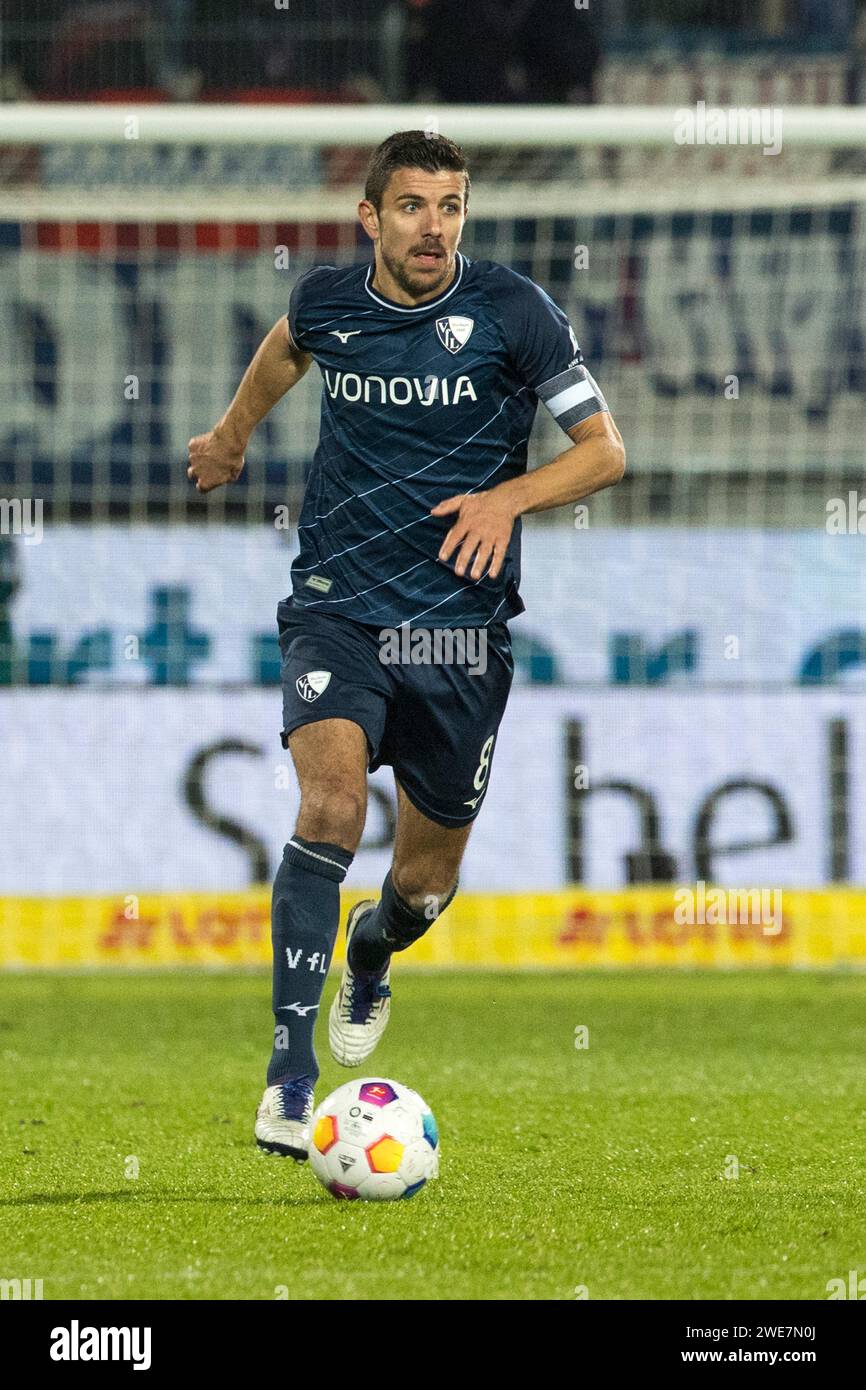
[[418, 230]]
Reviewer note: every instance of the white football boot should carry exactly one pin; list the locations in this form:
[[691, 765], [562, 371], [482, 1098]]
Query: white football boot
[[362, 1005], [283, 1119]]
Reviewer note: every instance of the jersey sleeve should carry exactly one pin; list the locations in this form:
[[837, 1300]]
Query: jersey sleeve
[[300, 305], [546, 353]]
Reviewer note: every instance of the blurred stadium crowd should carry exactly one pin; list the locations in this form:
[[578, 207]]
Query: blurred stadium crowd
[[385, 50]]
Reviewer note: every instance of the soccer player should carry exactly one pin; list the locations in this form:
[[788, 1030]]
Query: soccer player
[[433, 367]]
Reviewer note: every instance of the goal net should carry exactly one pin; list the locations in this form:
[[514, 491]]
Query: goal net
[[715, 287]]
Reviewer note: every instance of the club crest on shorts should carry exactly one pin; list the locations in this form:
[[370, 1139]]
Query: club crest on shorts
[[454, 331], [311, 685]]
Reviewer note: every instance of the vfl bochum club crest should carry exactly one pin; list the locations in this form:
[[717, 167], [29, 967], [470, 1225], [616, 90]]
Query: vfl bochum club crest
[[454, 331], [311, 685]]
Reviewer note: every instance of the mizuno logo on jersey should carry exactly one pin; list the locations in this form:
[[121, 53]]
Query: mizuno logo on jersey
[[335, 333], [399, 390]]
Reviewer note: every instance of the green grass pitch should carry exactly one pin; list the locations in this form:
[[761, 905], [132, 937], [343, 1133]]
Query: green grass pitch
[[601, 1168]]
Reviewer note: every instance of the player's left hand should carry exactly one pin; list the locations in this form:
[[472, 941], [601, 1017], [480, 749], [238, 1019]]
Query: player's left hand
[[483, 528]]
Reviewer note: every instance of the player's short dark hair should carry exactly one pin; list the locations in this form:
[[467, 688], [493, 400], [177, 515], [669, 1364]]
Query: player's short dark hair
[[413, 149]]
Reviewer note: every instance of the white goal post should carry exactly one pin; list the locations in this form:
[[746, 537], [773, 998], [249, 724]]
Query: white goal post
[[484, 126]]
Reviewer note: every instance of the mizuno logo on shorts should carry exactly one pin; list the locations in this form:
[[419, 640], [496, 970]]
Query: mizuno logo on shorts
[[311, 685]]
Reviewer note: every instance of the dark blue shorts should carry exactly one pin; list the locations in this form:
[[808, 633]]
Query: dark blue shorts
[[434, 722]]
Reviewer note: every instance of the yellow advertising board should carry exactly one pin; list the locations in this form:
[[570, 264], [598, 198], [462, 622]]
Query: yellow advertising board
[[573, 928]]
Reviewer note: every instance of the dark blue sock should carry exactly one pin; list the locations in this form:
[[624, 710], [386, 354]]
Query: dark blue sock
[[305, 915], [392, 926]]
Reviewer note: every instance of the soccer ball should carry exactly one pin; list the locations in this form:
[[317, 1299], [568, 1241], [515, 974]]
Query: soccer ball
[[374, 1139]]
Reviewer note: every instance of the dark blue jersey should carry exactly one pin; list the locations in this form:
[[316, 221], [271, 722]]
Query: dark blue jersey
[[420, 403]]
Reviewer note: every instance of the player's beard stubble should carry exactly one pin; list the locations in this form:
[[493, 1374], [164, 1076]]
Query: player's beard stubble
[[410, 280]]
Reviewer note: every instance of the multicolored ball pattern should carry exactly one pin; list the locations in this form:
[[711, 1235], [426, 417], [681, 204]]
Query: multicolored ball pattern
[[375, 1140]]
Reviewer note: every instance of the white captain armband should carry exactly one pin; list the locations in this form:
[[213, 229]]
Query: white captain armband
[[571, 396]]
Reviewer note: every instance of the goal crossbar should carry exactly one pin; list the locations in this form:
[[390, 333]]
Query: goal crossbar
[[483, 126]]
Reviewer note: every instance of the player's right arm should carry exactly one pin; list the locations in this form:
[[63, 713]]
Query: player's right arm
[[218, 456]]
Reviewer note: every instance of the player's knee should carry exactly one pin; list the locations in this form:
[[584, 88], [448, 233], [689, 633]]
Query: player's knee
[[333, 815], [423, 887]]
